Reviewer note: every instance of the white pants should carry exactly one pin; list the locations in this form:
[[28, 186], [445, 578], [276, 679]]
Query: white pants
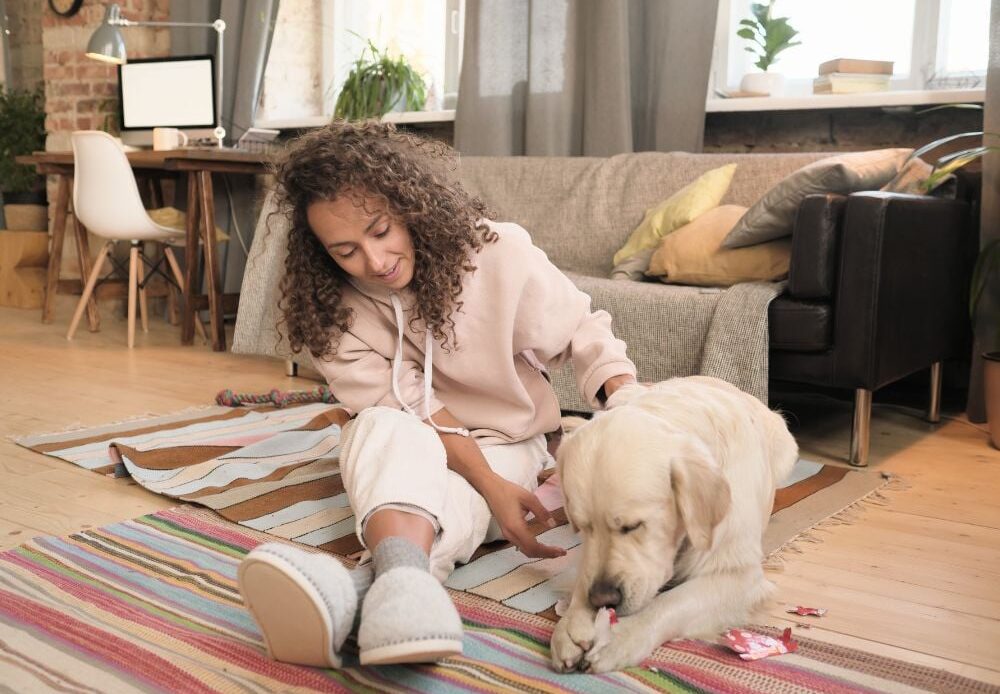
[[389, 458]]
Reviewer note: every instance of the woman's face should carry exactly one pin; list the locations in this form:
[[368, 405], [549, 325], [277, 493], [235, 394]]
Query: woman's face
[[359, 234]]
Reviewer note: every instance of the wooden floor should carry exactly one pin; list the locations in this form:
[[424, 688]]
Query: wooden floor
[[917, 579]]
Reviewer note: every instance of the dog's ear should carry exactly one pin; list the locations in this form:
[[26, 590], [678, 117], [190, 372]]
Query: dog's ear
[[702, 493]]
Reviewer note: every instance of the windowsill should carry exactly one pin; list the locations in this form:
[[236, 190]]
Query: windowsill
[[825, 101], [319, 121]]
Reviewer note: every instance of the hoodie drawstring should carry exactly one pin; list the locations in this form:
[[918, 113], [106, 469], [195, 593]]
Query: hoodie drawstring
[[397, 365]]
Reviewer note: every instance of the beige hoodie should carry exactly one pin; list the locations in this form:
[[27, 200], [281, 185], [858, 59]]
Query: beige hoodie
[[520, 317]]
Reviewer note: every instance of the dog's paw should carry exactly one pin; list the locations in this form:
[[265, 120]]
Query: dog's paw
[[629, 646], [571, 639]]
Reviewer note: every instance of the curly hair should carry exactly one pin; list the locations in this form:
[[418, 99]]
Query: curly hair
[[408, 175]]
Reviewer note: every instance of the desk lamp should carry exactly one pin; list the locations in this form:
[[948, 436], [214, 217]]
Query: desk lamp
[[107, 45]]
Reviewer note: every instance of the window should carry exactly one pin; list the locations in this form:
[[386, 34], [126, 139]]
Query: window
[[933, 43], [428, 33], [316, 42]]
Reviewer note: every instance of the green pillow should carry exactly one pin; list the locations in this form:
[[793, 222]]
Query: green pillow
[[679, 209]]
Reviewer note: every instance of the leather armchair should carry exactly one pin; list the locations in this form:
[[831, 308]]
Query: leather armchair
[[877, 290]]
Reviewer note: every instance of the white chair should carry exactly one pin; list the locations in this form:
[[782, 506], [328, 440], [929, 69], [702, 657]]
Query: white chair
[[106, 200]]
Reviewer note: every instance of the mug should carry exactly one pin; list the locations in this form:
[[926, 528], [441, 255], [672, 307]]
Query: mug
[[168, 138]]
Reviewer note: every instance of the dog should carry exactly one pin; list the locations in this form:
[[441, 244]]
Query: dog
[[671, 489]]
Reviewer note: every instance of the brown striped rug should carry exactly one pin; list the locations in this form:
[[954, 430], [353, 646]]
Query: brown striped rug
[[276, 471]]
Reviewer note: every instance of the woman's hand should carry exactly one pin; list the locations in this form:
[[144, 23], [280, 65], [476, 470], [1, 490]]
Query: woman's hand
[[616, 382], [510, 503]]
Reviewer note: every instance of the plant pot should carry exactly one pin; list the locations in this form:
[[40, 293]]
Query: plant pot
[[26, 217], [24, 258], [35, 196], [769, 83], [991, 378]]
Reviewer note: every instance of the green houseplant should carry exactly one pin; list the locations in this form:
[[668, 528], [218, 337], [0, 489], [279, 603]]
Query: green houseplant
[[768, 36], [22, 131], [378, 84]]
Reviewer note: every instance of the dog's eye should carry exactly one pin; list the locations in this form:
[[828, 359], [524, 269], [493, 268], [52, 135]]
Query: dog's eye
[[626, 529]]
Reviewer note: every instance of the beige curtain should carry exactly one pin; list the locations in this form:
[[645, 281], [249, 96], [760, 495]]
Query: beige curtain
[[989, 228], [584, 77]]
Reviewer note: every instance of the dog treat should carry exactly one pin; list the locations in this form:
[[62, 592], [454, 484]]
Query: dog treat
[[751, 646], [807, 611], [603, 621]]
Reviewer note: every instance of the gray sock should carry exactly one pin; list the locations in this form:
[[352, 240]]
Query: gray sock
[[395, 551]]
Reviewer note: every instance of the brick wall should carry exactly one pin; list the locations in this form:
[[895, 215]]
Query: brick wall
[[79, 91], [832, 130]]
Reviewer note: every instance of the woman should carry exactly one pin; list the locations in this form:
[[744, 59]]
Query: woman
[[436, 326]]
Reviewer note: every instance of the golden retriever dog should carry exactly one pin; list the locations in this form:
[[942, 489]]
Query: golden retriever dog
[[671, 489]]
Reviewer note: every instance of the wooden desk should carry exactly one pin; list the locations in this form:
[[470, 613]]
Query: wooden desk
[[199, 165]]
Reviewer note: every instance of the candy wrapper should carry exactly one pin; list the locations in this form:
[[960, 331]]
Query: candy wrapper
[[807, 611], [753, 646]]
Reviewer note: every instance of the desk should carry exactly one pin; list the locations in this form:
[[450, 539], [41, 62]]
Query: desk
[[199, 165]]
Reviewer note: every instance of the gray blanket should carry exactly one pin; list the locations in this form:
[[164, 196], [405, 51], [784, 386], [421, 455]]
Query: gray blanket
[[683, 331]]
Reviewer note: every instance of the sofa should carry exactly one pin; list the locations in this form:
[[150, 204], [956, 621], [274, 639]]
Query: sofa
[[876, 287]]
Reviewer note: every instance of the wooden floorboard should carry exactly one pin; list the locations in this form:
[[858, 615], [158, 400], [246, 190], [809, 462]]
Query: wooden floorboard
[[917, 578]]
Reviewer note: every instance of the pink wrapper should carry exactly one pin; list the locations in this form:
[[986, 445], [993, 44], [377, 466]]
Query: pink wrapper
[[807, 611], [751, 646]]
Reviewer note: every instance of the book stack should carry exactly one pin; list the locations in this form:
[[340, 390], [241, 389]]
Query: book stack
[[851, 76]]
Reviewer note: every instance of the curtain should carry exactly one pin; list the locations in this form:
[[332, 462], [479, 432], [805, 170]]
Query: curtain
[[989, 226], [584, 77], [249, 28]]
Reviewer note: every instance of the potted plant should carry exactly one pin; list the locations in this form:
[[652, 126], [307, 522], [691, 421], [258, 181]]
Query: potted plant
[[22, 131], [378, 84], [768, 36], [984, 309]]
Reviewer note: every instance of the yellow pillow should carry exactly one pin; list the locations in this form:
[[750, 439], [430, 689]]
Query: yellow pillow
[[686, 204], [177, 219], [694, 254]]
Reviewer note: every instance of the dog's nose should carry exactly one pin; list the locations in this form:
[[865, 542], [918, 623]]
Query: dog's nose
[[604, 593]]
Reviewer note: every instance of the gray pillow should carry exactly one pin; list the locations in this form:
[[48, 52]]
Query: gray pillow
[[773, 216], [634, 267]]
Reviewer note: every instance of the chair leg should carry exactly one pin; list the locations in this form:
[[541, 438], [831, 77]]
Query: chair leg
[[861, 427], [133, 261], [173, 314], [291, 368], [88, 289], [934, 403], [140, 272], [179, 278]]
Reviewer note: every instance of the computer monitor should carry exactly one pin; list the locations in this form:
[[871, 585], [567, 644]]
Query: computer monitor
[[176, 92]]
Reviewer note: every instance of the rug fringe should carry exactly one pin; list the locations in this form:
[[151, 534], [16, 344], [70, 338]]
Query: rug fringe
[[79, 426], [850, 514]]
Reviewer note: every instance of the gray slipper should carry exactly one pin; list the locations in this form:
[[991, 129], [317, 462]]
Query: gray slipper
[[408, 617], [304, 603]]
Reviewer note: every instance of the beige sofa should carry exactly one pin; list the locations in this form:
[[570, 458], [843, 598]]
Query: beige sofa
[[580, 211]]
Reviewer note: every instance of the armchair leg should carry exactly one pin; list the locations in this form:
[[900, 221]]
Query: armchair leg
[[861, 427], [934, 403], [291, 368]]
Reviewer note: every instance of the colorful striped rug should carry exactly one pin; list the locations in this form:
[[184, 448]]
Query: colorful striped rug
[[151, 605], [275, 470]]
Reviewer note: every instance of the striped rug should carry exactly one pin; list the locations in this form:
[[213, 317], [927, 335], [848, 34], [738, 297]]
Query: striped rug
[[151, 605], [276, 470]]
